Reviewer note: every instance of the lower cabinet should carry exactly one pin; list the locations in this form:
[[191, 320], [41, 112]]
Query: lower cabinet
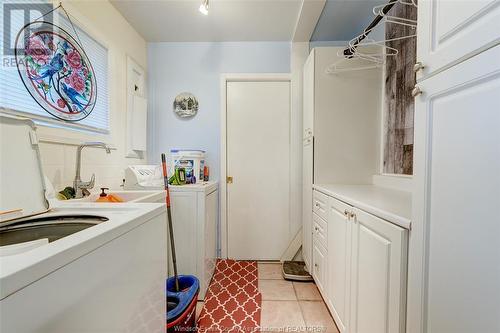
[[361, 272], [320, 266], [320, 254], [378, 275], [339, 242]]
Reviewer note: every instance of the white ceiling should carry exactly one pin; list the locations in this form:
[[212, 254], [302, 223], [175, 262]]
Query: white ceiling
[[228, 20]]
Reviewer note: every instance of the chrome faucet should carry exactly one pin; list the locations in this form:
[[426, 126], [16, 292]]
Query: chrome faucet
[[82, 188]]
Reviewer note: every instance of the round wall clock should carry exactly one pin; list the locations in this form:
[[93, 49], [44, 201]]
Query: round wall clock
[[56, 71], [185, 105]]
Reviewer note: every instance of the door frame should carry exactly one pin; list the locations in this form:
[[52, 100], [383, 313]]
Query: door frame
[[224, 79]]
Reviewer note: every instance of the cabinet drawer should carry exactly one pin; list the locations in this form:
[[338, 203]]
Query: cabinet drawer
[[320, 230], [320, 204], [320, 268]]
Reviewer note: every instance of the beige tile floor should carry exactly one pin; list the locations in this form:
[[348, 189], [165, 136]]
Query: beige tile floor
[[289, 306]]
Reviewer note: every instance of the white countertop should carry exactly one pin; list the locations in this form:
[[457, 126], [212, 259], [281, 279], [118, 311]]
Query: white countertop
[[388, 204], [19, 270], [209, 186]]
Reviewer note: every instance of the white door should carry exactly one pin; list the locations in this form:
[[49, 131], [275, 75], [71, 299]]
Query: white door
[[452, 30], [378, 285], [258, 158], [456, 224], [339, 256]]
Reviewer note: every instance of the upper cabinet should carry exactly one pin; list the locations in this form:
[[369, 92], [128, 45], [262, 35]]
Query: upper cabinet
[[454, 257], [452, 31]]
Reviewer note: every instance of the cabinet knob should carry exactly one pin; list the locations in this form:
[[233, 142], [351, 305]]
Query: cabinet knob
[[416, 91], [418, 66]]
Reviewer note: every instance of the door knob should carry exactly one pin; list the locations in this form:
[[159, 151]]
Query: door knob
[[229, 180]]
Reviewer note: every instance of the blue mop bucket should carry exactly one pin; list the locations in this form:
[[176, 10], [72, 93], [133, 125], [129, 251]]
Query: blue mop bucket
[[181, 306]]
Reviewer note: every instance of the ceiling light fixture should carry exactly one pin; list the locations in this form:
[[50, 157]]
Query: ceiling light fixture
[[204, 7]]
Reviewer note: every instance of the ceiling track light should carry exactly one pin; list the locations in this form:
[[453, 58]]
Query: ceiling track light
[[204, 7]]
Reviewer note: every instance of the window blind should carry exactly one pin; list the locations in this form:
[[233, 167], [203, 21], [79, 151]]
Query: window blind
[[15, 98]]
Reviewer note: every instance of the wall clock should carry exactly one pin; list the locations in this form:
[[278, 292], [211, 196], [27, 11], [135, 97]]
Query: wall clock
[[56, 71]]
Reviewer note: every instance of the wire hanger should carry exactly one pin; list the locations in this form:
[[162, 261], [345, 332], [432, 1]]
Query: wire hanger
[[379, 11], [359, 61]]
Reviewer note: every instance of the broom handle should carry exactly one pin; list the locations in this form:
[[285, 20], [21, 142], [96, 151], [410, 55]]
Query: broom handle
[[170, 225]]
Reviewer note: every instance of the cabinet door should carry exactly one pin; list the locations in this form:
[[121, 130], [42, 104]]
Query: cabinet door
[[451, 31], [307, 198], [320, 269], [378, 271], [339, 256], [454, 246]]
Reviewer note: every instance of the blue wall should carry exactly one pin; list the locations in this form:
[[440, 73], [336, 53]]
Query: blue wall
[[196, 67]]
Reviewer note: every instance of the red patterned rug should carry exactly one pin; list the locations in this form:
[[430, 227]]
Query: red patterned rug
[[232, 302]]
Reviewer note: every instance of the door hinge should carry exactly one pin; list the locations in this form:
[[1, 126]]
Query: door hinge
[[229, 180]]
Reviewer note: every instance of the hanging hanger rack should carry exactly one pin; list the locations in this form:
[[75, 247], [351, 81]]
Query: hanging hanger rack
[[381, 12], [373, 60]]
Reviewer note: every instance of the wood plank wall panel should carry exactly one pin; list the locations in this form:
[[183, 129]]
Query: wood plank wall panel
[[399, 104]]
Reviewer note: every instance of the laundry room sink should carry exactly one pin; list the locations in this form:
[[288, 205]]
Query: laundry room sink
[[50, 227]]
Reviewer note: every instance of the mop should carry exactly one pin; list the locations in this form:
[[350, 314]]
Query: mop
[[182, 294], [170, 226]]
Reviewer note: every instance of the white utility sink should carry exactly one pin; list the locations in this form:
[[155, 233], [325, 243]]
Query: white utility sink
[[127, 196]]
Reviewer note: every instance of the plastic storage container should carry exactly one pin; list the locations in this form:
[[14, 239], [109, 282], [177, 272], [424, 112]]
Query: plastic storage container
[[193, 161]]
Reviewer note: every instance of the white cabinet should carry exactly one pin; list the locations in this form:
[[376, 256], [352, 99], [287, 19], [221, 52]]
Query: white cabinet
[[454, 254], [340, 136], [361, 271], [339, 244], [378, 271], [451, 31], [319, 253], [194, 217], [307, 161], [307, 194], [320, 267]]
